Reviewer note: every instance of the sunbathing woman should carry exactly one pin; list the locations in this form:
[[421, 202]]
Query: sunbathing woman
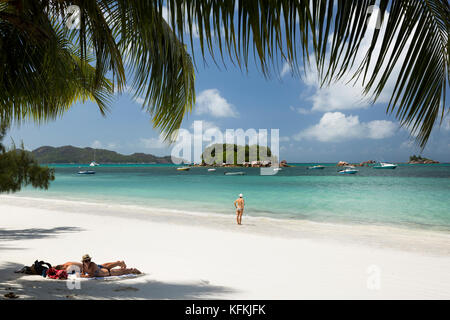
[[89, 269]]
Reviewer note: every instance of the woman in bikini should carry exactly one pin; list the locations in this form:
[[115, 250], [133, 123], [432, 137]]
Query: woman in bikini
[[89, 269]]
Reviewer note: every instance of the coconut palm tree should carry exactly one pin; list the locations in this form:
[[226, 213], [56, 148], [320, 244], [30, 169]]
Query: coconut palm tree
[[141, 45]]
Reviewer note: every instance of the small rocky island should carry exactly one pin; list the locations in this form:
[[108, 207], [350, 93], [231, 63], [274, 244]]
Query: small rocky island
[[216, 156], [420, 160]]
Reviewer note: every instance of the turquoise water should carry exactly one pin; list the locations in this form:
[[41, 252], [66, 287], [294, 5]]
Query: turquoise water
[[410, 196]]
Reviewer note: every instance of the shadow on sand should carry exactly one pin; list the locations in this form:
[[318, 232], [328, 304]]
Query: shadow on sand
[[7, 235], [36, 287], [33, 233]]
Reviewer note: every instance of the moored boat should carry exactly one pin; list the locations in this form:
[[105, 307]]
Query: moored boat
[[316, 167], [239, 173], [183, 169], [86, 172], [385, 165], [349, 170]]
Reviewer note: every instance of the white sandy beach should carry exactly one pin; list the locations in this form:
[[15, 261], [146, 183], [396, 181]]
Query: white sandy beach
[[206, 257]]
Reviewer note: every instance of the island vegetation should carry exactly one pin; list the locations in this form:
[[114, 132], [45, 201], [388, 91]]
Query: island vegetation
[[71, 154], [420, 160], [251, 156]]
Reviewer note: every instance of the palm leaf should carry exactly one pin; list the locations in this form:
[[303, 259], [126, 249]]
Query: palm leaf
[[41, 73], [333, 30], [161, 68]]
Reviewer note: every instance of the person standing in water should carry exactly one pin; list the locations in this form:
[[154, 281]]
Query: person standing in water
[[239, 205]]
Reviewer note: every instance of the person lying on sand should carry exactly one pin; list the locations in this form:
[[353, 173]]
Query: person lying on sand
[[89, 269]]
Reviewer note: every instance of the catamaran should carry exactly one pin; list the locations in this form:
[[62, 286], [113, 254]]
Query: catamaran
[[385, 165], [93, 163]]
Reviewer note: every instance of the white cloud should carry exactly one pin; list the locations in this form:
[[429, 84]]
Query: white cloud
[[96, 144], [153, 143], [139, 100], [408, 144], [300, 110], [286, 69], [446, 122], [112, 145], [346, 94], [211, 102], [206, 125], [336, 126], [284, 139]]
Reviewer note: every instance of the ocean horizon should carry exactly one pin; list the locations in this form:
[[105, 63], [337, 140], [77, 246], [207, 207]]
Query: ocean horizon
[[411, 196]]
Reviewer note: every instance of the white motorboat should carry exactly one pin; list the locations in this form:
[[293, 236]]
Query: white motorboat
[[385, 165], [86, 172], [316, 167], [348, 170], [239, 173]]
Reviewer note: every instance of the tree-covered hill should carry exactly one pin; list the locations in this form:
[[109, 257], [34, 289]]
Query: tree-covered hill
[[71, 154]]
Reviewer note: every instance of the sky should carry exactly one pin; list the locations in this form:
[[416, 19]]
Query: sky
[[315, 124]]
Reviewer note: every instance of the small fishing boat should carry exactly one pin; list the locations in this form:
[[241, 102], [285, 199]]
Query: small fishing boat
[[316, 167], [348, 171], [239, 173], [86, 172], [385, 165], [183, 169], [211, 170]]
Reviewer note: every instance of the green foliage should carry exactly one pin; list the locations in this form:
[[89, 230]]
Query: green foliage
[[44, 68], [70, 154], [417, 158], [217, 154], [19, 169], [332, 31]]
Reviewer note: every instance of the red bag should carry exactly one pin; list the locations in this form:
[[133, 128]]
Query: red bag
[[52, 273]]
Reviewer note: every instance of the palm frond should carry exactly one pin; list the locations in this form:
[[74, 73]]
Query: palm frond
[[333, 30], [162, 70], [41, 78]]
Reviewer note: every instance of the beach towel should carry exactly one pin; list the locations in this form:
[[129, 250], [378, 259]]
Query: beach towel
[[110, 278], [52, 273]]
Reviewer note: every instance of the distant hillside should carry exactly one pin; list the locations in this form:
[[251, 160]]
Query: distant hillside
[[70, 154]]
